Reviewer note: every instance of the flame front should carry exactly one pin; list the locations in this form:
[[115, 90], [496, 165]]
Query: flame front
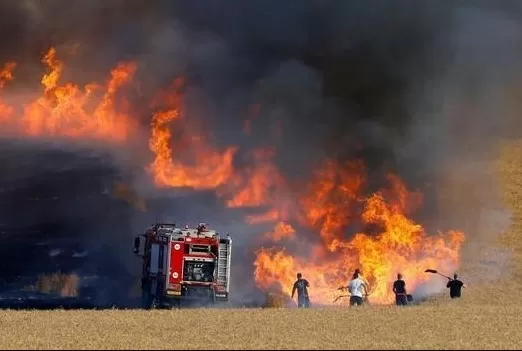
[[65, 110], [330, 199], [6, 75], [205, 168], [389, 242], [324, 226]]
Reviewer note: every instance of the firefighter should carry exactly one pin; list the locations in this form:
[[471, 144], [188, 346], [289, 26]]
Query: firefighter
[[356, 288], [301, 285], [455, 286], [366, 284], [399, 289], [202, 227]]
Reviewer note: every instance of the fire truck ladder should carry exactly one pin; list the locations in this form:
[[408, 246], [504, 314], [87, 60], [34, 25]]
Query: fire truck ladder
[[223, 271]]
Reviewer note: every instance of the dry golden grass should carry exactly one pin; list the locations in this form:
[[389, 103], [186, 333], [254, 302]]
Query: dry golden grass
[[510, 171], [453, 324], [487, 317], [65, 285], [276, 300]]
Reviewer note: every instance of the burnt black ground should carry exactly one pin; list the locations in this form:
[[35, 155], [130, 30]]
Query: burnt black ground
[[57, 214]]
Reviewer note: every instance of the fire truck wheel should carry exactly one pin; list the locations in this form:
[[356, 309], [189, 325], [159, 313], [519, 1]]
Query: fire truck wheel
[[176, 303], [147, 301], [212, 300]]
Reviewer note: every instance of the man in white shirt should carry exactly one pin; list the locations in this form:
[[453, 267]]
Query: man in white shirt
[[357, 289], [366, 284]]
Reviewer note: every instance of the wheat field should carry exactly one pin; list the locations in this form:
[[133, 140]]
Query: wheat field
[[487, 317], [455, 324]]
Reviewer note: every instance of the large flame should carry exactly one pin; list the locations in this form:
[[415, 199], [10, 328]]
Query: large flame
[[324, 226], [259, 185], [6, 75], [330, 199], [389, 242], [68, 110], [204, 167], [373, 233]]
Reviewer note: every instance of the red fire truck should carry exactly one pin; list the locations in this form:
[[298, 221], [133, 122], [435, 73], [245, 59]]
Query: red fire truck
[[182, 264]]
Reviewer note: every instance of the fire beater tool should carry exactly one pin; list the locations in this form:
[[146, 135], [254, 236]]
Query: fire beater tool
[[434, 271]]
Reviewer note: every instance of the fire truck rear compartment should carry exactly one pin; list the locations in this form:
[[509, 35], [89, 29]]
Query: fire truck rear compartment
[[198, 271]]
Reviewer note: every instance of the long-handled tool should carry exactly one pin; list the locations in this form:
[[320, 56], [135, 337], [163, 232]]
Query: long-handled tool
[[365, 297], [340, 297], [434, 271]]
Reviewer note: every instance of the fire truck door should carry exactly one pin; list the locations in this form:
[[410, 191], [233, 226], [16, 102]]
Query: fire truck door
[[158, 263], [158, 258], [176, 263], [154, 258]]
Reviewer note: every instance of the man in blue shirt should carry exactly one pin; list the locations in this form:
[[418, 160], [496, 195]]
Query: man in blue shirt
[[301, 285]]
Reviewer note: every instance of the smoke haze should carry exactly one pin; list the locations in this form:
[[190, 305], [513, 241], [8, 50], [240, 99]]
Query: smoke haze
[[423, 90]]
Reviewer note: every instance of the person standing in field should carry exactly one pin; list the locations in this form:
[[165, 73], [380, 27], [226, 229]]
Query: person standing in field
[[399, 289], [357, 289], [359, 274], [301, 285], [455, 286]]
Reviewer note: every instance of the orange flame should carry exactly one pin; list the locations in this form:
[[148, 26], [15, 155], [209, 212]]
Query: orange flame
[[393, 243], [330, 199], [209, 168], [257, 184], [50, 80], [281, 231], [269, 216], [375, 233], [63, 110], [6, 75]]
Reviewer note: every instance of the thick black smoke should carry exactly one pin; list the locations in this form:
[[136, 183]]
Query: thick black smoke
[[411, 87]]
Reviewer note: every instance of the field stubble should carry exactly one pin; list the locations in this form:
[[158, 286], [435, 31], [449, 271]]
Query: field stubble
[[440, 325]]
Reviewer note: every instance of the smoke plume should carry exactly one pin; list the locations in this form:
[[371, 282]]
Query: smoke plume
[[421, 90]]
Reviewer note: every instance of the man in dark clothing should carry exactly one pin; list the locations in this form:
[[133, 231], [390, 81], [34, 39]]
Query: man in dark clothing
[[455, 286], [399, 288], [301, 285]]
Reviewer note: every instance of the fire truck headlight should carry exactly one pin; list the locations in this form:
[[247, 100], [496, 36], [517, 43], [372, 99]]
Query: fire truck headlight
[[175, 275]]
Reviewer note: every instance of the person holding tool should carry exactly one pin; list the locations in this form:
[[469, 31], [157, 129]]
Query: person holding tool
[[359, 274], [455, 286], [356, 287]]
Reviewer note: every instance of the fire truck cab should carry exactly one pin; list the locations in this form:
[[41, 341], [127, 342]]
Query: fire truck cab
[[183, 264]]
